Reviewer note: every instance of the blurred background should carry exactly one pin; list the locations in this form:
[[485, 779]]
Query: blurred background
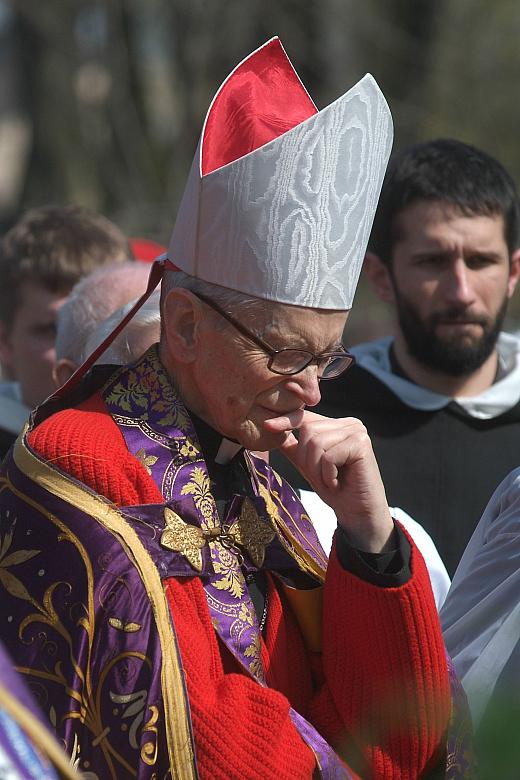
[[102, 101]]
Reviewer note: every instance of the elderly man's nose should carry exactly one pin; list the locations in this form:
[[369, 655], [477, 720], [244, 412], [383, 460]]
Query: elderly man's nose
[[308, 385]]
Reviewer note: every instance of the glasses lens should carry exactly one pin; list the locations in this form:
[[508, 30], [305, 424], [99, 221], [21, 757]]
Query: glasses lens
[[290, 361], [331, 367]]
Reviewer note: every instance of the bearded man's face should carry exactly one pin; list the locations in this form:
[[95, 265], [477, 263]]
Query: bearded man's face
[[452, 281]]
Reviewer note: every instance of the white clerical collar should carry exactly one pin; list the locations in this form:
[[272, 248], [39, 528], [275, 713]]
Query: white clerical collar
[[374, 357], [227, 451]]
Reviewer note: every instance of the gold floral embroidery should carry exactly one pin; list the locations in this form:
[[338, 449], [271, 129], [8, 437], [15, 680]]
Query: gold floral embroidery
[[199, 488], [146, 460], [245, 615], [251, 533], [164, 397], [254, 652], [304, 559], [150, 750], [226, 564], [85, 697], [188, 450], [134, 709], [135, 393], [147, 386], [183, 538], [11, 583], [128, 628]]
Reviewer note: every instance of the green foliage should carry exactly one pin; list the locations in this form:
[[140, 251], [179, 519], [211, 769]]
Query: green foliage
[[497, 740]]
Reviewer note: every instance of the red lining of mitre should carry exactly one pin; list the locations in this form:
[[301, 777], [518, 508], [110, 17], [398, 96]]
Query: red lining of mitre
[[146, 250], [260, 100]]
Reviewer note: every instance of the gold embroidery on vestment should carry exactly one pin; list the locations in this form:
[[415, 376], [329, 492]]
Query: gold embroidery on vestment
[[120, 625], [146, 460], [233, 581], [254, 651], [251, 533], [181, 537], [199, 487], [248, 532]]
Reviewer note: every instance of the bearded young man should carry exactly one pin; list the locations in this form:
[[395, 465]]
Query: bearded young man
[[441, 398], [192, 627]]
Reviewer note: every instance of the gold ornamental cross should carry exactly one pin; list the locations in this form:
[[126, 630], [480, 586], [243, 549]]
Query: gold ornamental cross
[[248, 532]]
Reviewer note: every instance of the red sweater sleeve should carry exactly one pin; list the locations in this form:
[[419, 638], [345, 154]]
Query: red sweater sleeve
[[385, 693], [390, 692]]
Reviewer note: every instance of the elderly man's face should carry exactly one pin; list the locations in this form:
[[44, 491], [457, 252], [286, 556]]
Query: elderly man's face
[[235, 391]]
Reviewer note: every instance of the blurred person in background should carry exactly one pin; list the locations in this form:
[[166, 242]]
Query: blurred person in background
[[481, 625], [440, 399], [141, 332], [28, 751], [94, 298], [41, 258]]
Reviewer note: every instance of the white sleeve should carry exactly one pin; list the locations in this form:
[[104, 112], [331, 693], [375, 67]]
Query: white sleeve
[[486, 585], [325, 522], [439, 577]]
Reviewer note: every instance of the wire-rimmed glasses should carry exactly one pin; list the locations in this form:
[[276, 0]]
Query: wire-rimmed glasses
[[289, 361]]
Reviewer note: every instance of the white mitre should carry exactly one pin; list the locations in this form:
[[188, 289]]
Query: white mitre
[[280, 198]]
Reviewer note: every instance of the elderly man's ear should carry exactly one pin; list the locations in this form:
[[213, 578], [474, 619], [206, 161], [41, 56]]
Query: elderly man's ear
[[181, 318], [379, 277], [62, 371]]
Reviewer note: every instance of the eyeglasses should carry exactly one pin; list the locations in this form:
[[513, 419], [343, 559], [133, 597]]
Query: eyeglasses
[[290, 361]]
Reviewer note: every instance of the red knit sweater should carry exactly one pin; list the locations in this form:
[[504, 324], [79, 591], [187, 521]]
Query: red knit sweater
[[379, 692]]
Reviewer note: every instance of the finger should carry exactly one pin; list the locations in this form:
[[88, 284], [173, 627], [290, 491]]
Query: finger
[[329, 472], [316, 437], [285, 422], [340, 460], [328, 432], [290, 448], [310, 417], [314, 445], [336, 458]]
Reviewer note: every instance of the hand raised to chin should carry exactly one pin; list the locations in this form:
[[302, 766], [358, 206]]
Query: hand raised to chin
[[336, 457]]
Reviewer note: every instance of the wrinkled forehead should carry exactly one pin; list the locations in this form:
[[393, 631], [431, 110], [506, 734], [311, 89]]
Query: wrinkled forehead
[[290, 325]]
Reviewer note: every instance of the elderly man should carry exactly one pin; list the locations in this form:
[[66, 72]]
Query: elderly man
[[193, 627]]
